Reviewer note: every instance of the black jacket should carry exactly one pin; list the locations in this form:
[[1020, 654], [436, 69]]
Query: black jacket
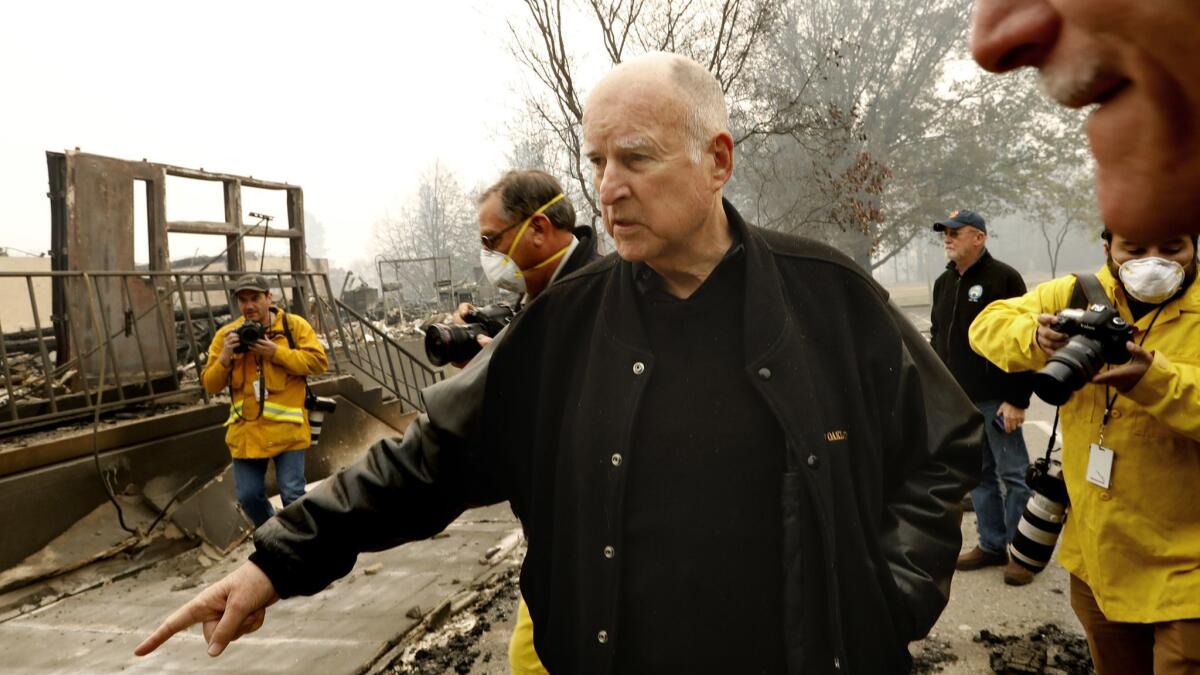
[[584, 253], [957, 300], [880, 448]]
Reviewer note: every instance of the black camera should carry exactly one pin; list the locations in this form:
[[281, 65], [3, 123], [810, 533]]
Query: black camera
[[1098, 336], [248, 333], [455, 343], [1044, 516]]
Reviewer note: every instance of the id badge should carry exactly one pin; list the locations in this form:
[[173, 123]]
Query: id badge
[[1099, 468], [259, 394]]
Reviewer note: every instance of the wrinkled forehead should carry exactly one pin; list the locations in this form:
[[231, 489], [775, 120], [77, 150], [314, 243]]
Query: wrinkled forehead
[[643, 112]]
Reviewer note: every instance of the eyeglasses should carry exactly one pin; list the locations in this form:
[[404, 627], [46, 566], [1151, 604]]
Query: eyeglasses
[[489, 241]]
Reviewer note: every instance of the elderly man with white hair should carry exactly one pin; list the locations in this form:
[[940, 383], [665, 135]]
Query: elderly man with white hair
[[730, 454]]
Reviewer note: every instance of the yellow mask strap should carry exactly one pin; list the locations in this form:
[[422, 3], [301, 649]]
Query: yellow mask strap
[[552, 258], [524, 225]]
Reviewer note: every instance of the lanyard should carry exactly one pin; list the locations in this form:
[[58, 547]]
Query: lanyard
[[1110, 400]]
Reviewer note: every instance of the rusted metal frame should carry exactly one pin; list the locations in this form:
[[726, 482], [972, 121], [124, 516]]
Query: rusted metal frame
[[103, 406], [79, 355], [283, 293], [232, 298], [297, 254], [168, 334], [46, 370], [217, 228], [12, 400], [212, 319], [127, 305], [182, 172], [112, 358], [191, 335], [321, 309]]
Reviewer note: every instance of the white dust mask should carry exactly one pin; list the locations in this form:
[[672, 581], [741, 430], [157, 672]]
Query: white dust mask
[[1151, 280], [502, 271]]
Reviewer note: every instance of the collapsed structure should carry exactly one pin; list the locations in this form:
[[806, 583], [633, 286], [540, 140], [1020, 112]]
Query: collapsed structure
[[125, 344]]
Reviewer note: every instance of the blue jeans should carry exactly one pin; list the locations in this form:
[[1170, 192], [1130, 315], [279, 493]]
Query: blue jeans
[[1002, 492], [250, 481]]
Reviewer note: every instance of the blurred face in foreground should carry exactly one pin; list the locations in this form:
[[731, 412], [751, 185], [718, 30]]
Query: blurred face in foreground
[[1138, 63]]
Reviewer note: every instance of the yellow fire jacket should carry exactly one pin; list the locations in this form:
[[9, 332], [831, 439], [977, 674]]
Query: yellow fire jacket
[[1136, 544], [283, 424]]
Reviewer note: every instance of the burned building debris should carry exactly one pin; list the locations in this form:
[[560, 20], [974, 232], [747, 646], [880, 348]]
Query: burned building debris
[[99, 338]]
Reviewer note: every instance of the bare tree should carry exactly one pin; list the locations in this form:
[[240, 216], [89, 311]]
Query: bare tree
[[856, 121], [438, 222]]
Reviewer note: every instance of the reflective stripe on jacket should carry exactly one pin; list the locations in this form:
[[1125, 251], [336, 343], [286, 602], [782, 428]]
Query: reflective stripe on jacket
[[1137, 543], [283, 424]]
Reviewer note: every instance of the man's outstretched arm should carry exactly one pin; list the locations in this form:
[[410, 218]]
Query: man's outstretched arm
[[402, 490]]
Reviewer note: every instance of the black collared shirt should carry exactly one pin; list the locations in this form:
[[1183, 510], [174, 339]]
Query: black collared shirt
[[703, 515]]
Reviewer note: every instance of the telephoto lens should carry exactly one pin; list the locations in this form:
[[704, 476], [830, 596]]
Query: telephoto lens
[[318, 408], [456, 343], [1044, 516], [452, 343]]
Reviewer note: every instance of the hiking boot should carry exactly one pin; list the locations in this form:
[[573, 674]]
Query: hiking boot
[[978, 558], [1016, 575]]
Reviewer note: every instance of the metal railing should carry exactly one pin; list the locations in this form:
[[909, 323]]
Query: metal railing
[[381, 358], [153, 330]]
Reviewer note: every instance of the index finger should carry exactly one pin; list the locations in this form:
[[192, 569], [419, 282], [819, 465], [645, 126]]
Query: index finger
[[183, 618]]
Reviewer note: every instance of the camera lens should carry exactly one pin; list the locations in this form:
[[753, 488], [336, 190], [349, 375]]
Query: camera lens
[[451, 343], [1068, 369]]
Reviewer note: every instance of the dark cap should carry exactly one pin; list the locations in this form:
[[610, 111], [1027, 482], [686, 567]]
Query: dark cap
[[958, 219], [251, 282]]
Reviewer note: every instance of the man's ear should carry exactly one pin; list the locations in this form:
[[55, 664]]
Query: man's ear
[[539, 228], [721, 149]]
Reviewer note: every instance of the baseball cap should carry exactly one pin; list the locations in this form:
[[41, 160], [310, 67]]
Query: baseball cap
[[251, 282], [960, 218]]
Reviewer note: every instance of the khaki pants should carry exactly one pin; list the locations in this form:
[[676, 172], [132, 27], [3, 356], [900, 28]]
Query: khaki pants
[[1167, 648]]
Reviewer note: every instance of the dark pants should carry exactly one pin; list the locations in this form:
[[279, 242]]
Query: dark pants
[[250, 479], [1167, 648]]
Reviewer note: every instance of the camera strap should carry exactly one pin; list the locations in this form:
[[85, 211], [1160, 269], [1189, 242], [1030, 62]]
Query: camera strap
[[1092, 290], [1053, 435], [1109, 401], [309, 396], [262, 388]]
